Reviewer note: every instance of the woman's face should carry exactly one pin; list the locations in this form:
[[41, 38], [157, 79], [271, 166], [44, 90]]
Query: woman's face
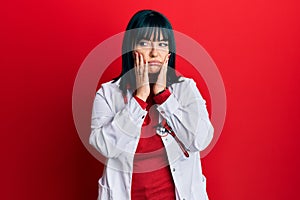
[[155, 52]]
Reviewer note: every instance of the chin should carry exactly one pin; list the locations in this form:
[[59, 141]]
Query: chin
[[154, 70]]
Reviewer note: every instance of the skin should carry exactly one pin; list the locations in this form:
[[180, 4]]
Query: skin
[[151, 60]]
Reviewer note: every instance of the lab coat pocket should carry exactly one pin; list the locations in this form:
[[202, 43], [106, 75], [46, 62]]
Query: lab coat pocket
[[104, 193]]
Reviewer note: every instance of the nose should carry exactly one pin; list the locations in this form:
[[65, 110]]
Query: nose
[[153, 51]]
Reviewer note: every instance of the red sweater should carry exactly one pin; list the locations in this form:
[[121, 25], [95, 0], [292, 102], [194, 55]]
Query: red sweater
[[151, 178]]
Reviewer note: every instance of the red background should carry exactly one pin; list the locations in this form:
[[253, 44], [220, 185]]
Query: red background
[[255, 45]]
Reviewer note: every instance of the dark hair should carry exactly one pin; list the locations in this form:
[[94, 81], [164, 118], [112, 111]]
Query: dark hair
[[143, 25]]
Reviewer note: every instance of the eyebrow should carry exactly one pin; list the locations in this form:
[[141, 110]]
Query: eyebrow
[[161, 40]]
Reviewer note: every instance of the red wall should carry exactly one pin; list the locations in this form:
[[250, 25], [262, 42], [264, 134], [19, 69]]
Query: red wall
[[255, 45]]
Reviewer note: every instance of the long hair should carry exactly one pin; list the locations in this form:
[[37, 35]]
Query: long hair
[[143, 25]]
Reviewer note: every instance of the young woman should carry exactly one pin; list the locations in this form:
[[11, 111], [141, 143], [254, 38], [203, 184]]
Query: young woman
[[148, 122]]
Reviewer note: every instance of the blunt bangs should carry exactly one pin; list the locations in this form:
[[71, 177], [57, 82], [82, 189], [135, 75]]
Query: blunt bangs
[[157, 33]]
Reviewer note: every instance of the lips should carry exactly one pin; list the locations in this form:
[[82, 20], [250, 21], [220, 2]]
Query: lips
[[154, 63]]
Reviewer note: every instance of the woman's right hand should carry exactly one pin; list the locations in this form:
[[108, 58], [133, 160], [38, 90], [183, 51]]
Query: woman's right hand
[[142, 78]]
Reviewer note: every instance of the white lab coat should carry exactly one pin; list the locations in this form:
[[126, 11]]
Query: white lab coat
[[116, 128]]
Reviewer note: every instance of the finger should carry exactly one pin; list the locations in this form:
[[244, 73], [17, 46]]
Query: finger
[[166, 61], [162, 76], [146, 69], [140, 68], [165, 65], [136, 63], [141, 64]]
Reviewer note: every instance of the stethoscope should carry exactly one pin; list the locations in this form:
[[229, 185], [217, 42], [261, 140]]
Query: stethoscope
[[163, 129]]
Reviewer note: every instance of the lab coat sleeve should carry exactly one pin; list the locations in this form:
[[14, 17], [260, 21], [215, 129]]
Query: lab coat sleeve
[[186, 113], [114, 132]]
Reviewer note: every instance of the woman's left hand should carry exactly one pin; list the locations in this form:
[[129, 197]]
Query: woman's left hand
[[161, 82]]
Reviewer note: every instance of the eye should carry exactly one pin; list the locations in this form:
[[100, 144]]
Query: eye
[[143, 43], [163, 44]]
